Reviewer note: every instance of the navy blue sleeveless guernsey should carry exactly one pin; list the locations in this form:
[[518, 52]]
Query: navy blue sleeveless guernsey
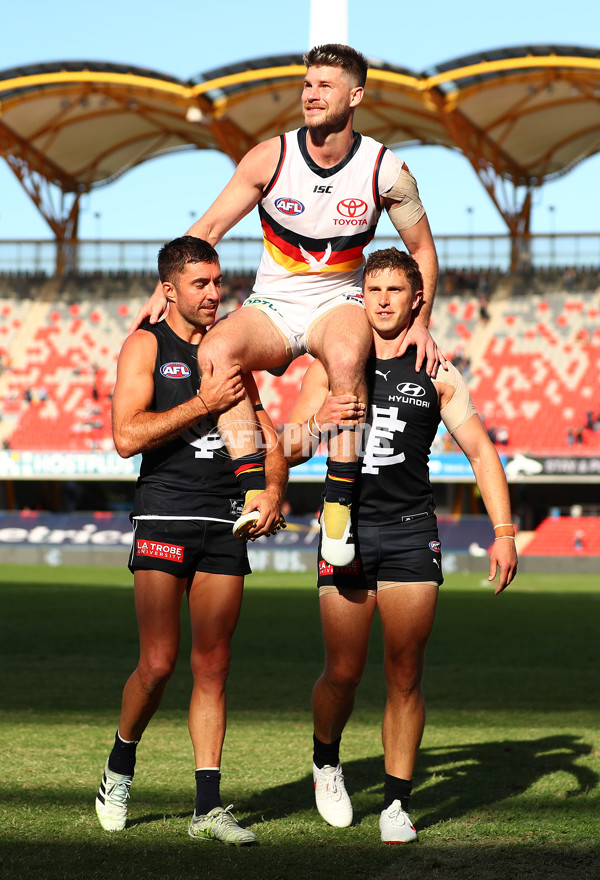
[[403, 417], [192, 475]]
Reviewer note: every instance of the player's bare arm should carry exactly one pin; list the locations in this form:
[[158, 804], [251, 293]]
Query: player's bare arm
[[473, 439], [241, 194], [136, 428], [267, 503], [405, 210], [491, 480], [238, 198], [220, 390], [314, 413], [420, 245], [295, 438]]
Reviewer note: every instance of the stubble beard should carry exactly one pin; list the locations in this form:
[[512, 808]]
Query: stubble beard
[[198, 319], [334, 122]]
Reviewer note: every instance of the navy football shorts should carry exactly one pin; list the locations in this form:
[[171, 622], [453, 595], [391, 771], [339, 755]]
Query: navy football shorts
[[182, 547], [407, 553]]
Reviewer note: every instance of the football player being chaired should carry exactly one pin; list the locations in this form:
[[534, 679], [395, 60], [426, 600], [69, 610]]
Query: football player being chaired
[[398, 567], [186, 501], [320, 191]]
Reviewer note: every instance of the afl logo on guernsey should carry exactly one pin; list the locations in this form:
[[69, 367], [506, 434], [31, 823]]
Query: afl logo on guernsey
[[175, 370], [289, 206]]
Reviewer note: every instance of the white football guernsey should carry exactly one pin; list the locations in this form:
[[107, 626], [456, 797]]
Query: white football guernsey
[[316, 221]]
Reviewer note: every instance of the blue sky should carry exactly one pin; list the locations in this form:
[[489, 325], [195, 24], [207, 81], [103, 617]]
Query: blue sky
[[185, 38]]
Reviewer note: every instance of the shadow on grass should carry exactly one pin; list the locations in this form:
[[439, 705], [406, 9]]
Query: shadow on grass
[[298, 858], [449, 783], [461, 779]]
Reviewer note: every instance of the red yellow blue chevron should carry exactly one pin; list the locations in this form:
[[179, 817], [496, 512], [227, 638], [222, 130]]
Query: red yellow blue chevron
[[346, 252]]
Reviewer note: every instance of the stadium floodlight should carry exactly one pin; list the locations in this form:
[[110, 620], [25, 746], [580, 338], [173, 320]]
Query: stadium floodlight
[[328, 22]]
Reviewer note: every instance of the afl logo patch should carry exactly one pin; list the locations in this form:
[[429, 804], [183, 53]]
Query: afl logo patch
[[354, 298], [435, 546], [352, 207], [175, 370], [289, 206], [410, 390]]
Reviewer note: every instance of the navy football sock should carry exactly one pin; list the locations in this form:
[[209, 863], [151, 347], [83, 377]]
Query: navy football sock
[[122, 758], [326, 753], [396, 789], [208, 782], [339, 482], [250, 471]]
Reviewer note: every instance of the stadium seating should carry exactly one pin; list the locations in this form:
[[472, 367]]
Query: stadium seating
[[454, 321], [535, 377], [565, 536], [58, 351], [279, 393], [56, 393], [532, 366]]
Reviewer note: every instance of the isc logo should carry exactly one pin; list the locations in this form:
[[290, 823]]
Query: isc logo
[[289, 206], [175, 371], [323, 189]]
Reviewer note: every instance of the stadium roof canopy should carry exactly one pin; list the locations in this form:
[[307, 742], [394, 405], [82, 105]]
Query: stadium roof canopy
[[521, 116]]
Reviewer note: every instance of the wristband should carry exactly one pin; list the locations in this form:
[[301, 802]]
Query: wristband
[[510, 537], [314, 419]]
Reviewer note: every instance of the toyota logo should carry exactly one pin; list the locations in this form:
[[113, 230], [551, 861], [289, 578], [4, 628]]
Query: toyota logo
[[352, 207], [410, 390]]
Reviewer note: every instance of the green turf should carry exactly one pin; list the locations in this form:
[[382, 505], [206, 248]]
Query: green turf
[[507, 780]]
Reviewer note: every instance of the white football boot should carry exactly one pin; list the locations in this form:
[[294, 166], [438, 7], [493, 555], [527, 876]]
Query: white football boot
[[337, 545], [111, 800], [333, 801], [395, 825]]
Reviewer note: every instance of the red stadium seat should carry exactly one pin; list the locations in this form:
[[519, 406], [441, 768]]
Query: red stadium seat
[[534, 374], [565, 536]]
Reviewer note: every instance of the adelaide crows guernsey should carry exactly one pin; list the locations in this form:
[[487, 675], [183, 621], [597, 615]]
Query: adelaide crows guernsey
[[316, 222], [404, 414], [192, 475]]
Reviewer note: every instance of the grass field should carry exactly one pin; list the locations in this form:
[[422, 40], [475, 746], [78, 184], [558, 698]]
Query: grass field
[[507, 784]]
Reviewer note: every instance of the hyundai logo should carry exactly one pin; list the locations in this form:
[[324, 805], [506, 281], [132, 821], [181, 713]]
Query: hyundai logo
[[352, 207], [410, 390]]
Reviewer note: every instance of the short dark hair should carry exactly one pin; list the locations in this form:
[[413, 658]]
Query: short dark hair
[[392, 258], [337, 55], [174, 256]]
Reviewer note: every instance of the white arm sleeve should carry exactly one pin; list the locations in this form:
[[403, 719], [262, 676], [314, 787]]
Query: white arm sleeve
[[398, 184], [459, 408], [391, 166]]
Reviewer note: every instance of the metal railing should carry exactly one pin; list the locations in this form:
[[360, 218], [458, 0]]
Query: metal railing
[[242, 255]]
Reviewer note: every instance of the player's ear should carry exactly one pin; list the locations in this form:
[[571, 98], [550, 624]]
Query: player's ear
[[417, 300], [356, 96], [168, 291]]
